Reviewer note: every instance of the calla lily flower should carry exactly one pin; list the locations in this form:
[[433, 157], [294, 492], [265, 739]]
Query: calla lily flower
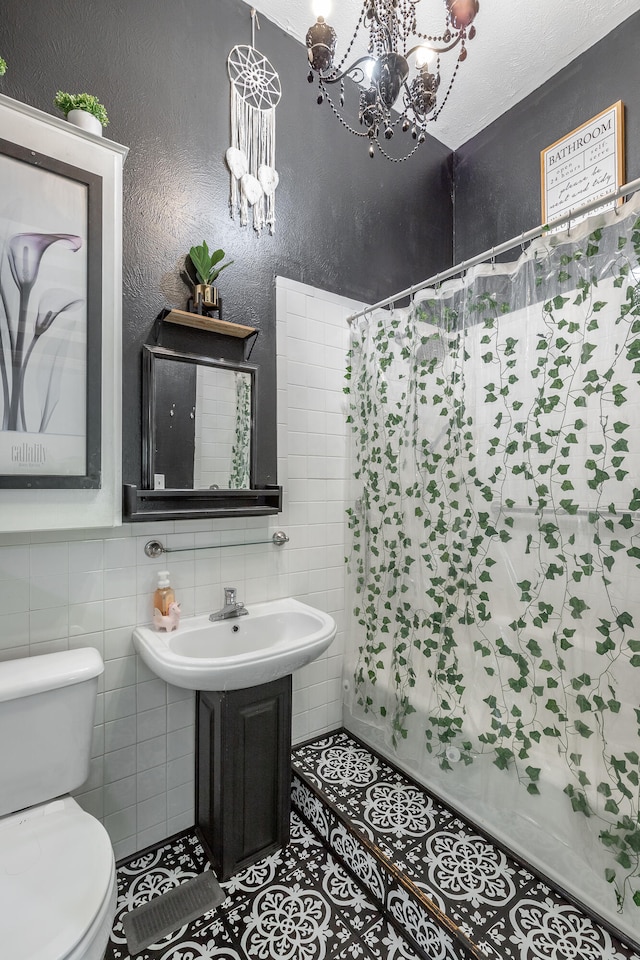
[[25, 255], [57, 303], [26, 250]]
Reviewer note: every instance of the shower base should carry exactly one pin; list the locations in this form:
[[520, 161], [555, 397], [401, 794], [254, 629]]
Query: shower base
[[454, 893]]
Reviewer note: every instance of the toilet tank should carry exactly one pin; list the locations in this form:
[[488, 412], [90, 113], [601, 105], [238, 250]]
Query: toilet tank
[[47, 707]]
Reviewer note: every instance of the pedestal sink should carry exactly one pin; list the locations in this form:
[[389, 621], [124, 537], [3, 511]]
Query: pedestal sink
[[241, 669], [272, 640]]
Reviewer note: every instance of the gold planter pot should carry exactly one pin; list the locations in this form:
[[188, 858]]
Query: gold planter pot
[[206, 295]]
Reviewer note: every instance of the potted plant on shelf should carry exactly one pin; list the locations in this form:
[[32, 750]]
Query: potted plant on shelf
[[3, 67], [205, 265], [84, 110]]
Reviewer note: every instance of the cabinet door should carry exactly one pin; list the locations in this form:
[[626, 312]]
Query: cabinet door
[[244, 774]]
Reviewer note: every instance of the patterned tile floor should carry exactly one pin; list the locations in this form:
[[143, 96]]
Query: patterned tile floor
[[297, 904], [501, 910]]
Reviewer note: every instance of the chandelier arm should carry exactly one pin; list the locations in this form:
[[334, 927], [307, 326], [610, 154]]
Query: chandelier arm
[[336, 78]]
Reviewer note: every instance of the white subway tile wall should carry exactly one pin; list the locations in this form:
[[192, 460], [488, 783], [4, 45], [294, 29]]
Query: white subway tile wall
[[74, 589]]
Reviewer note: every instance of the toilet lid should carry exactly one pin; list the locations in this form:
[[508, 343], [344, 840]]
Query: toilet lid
[[55, 872]]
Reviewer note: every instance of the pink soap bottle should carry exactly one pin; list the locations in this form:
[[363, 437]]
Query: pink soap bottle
[[164, 594]]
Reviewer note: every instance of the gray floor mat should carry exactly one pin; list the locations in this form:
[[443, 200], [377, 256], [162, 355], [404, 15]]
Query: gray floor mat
[[170, 911]]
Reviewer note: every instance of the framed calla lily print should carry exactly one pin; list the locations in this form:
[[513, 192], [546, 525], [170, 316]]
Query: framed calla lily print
[[50, 321], [60, 323]]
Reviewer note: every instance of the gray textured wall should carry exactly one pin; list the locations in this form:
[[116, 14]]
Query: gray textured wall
[[497, 173], [351, 225]]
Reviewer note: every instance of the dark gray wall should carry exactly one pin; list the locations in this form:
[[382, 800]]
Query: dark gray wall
[[497, 173], [355, 226]]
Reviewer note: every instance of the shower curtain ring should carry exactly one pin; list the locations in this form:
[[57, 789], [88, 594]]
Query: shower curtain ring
[[493, 258], [522, 242]]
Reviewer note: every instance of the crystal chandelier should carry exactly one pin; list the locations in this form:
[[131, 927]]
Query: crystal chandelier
[[400, 75]]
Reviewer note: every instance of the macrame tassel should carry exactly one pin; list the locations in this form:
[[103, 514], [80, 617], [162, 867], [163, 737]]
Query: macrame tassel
[[237, 136], [254, 133], [268, 158]]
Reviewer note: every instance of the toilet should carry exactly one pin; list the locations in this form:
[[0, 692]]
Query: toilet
[[57, 867]]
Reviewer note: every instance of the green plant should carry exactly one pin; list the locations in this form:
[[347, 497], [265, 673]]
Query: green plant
[[3, 67], [205, 262], [81, 101]]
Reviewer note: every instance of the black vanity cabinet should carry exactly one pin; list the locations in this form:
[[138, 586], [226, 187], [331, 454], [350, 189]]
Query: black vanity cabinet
[[243, 773]]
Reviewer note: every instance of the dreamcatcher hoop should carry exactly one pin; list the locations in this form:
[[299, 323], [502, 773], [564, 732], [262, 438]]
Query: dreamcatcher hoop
[[253, 78], [255, 94]]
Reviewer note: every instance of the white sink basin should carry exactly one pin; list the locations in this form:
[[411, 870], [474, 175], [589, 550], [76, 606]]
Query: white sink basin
[[271, 641]]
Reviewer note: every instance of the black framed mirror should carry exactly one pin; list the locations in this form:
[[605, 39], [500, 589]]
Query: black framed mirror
[[199, 443], [199, 422]]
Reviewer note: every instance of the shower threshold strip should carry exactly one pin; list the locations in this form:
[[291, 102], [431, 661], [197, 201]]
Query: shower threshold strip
[[455, 894]]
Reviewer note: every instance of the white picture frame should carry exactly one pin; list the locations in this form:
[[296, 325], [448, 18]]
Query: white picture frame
[[86, 490]]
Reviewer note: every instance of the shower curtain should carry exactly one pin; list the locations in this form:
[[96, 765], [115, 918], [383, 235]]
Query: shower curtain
[[494, 557]]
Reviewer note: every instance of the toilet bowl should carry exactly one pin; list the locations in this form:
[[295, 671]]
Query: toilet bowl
[[57, 867]]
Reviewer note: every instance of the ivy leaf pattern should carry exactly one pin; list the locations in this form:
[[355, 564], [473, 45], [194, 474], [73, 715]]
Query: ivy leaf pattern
[[495, 528]]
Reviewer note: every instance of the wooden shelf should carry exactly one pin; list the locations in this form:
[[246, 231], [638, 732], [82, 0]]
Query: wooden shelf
[[203, 322]]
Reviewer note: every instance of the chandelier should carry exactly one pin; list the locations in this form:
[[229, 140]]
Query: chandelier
[[399, 77]]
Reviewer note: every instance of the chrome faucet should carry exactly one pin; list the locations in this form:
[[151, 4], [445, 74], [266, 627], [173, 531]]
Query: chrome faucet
[[232, 607]]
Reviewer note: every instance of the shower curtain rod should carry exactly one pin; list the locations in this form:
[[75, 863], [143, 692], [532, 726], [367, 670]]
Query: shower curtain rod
[[627, 189]]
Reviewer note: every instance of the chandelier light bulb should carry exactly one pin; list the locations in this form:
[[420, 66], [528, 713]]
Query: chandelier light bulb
[[321, 8], [425, 56], [367, 68]]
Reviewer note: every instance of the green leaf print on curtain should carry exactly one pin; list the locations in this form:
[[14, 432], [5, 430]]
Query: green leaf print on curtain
[[495, 527]]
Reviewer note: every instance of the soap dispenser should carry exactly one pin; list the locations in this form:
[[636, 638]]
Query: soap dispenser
[[164, 594]]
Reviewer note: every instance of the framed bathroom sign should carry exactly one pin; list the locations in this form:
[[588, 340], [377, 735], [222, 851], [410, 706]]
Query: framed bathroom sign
[[60, 323], [583, 165], [50, 324]]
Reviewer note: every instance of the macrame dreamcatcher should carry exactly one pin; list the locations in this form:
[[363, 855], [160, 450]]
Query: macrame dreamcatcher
[[255, 94]]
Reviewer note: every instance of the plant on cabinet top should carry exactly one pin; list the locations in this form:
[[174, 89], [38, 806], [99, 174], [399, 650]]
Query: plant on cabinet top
[[81, 101]]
